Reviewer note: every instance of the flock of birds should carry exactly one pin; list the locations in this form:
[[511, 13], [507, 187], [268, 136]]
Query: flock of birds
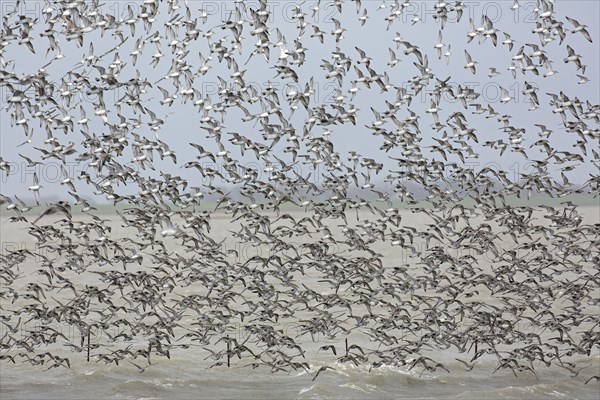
[[486, 279]]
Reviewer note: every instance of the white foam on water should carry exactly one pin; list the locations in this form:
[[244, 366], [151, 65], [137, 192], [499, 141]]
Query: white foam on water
[[304, 390], [557, 394], [354, 387]]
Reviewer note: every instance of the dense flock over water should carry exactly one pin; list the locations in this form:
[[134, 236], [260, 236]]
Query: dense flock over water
[[325, 198]]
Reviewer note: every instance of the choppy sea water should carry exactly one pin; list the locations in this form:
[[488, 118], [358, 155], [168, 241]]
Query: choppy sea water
[[188, 373], [185, 377]]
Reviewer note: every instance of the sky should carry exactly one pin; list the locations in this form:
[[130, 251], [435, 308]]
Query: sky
[[183, 124]]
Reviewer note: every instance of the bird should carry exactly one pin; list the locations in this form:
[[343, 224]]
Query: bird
[[322, 369], [439, 45], [59, 207], [35, 188], [577, 27], [467, 365], [328, 347], [470, 65], [595, 378], [141, 369]]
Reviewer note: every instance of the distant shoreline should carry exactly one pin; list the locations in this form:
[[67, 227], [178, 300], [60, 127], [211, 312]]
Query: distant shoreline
[[578, 200]]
